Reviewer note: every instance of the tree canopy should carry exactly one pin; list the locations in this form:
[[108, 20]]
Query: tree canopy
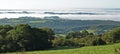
[[25, 37]]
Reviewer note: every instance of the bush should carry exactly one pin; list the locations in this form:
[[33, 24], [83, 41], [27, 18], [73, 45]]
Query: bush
[[98, 41], [92, 41], [58, 42], [61, 42]]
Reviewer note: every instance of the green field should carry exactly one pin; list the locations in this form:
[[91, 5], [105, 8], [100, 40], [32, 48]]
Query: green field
[[105, 49], [16, 21], [38, 21]]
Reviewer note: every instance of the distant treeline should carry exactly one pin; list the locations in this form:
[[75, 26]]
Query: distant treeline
[[78, 13], [63, 26]]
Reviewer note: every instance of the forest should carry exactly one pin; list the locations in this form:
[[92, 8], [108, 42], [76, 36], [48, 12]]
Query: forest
[[23, 37]]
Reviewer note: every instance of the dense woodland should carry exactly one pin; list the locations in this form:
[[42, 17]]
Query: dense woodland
[[23, 37], [26, 37]]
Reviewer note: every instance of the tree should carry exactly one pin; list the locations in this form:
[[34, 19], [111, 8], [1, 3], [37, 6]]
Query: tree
[[78, 34], [4, 29], [112, 36], [18, 37], [23, 36], [40, 40], [98, 41], [85, 33], [50, 33], [70, 35], [58, 42]]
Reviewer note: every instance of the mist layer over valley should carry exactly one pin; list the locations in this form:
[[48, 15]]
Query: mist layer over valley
[[75, 14]]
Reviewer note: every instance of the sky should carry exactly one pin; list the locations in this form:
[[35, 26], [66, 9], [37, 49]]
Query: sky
[[58, 4]]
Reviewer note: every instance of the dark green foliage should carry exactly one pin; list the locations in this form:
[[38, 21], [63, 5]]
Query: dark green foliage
[[58, 42], [89, 39], [112, 36], [78, 34], [73, 42], [98, 41], [50, 33], [22, 36], [63, 42], [4, 29], [85, 33], [40, 40], [71, 35], [85, 38], [92, 40]]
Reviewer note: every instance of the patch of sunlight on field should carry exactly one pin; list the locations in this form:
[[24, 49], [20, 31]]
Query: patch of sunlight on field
[[63, 35], [91, 31], [105, 49], [14, 21], [39, 21]]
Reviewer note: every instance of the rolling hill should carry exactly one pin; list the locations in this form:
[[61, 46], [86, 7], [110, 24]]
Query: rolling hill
[[62, 26]]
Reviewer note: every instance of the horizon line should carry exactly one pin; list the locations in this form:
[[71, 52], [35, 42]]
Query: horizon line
[[53, 9]]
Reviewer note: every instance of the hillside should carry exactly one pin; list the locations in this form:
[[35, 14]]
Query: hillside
[[62, 26], [105, 49]]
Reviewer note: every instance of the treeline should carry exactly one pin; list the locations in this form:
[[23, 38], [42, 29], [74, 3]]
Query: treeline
[[84, 38], [23, 37]]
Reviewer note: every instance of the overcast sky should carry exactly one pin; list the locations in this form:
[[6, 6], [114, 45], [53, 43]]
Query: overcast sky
[[58, 4]]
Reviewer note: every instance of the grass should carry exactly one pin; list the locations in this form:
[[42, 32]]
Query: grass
[[91, 31], [63, 35], [105, 49], [14, 21]]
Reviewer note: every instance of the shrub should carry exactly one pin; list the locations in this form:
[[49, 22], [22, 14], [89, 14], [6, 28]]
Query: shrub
[[98, 41]]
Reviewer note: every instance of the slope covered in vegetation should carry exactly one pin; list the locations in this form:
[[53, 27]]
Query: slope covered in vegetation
[[105, 49], [62, 26]]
